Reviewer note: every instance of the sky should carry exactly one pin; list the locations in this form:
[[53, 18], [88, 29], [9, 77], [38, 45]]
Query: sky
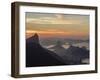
[[49, 25]]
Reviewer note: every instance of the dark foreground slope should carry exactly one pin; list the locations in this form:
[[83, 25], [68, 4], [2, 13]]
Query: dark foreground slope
[[36, 55]]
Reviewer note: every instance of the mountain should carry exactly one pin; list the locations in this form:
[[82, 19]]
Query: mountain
[[36, 55], [58, 48], [76, 54], [72, 55], [33, 39]]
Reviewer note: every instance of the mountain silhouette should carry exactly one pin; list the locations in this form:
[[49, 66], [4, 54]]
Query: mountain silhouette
[[36, 55], [58, 48], [72, 55], [33, 39], [76, 54]]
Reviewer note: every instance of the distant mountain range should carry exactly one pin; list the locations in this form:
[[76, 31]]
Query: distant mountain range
[[74, 54], [36, 55]]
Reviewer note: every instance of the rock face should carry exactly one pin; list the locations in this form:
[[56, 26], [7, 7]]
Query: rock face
[[36, 55]]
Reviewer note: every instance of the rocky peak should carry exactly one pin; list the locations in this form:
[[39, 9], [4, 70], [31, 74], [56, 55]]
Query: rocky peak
[[34, 38]]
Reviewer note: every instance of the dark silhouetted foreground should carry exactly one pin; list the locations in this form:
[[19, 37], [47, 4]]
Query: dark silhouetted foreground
[[36, 55]]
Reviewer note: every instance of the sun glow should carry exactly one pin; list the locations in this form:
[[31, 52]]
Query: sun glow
[[57, 25]]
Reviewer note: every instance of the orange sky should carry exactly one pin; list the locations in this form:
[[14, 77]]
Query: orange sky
[[57, 25]]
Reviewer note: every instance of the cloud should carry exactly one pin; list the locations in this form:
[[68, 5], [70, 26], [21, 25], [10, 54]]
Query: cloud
[[50, 20], [58, 25]]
